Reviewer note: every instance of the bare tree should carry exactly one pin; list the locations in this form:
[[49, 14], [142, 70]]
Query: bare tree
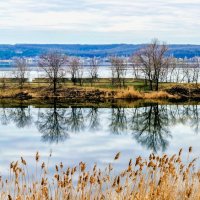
[[172, 69], [93, 70], [20, 71], [80, 74], [176, 74], [187, 72], [135, 67], [196, 71], [53, 64], [75, 69], [153, 62], [118, 68]]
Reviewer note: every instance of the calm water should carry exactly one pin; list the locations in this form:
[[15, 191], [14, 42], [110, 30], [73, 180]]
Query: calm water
[[177, 75], [95, 135]]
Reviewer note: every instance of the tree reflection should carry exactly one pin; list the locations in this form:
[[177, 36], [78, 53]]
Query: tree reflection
[[93, 117], [185, 114], [118, 122], [75, 120], [148, 125], [52, 124], [180, 113], [4, 116], [195, 120], [151, 127], [21, 116]]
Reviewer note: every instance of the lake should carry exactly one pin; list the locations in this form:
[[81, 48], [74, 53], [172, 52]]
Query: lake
[[94, 134], [178, 75]]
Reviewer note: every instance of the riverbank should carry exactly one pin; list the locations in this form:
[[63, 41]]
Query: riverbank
[[132, 91], [86, 93]]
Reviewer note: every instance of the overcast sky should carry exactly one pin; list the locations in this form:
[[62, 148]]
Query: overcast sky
[[99, 21]]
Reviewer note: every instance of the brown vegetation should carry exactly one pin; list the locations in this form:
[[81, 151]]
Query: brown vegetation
[[158, 177], [76, 92]]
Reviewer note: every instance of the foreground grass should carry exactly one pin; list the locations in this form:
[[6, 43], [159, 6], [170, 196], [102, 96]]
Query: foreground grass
[[159, 177]]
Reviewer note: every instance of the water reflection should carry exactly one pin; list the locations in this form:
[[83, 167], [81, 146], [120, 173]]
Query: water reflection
[[4, 116], [94, 120], [118, 121], [21, 116], [186, 114], [150, 126], [75, 120], [52, 124]]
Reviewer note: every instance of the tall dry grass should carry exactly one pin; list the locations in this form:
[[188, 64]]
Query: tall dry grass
[[158, 177], [129, 94], [159, 95], [134, 94]]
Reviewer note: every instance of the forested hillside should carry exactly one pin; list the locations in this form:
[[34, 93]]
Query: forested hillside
[[32, 50]]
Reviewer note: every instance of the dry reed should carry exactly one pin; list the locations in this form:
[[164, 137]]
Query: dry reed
[[133, 94], [128, 94], [158, 95], [158, 177]]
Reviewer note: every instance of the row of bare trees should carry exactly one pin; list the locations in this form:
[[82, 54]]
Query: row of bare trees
[[53, 64], [152, 64]]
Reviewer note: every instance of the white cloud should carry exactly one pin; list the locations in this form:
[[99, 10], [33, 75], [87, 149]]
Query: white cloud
[[102, 16]]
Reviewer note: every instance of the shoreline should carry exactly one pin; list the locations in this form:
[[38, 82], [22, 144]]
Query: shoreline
[[99, 91], [40, 102]]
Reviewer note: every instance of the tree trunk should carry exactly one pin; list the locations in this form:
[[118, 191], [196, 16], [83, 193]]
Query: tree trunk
[[54, 87], [150, 85], [157, 82]]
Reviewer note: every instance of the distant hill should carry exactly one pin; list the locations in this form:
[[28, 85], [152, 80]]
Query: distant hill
[[32, 50]]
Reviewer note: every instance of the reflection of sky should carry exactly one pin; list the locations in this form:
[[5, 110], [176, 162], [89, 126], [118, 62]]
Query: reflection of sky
[[91, 146]]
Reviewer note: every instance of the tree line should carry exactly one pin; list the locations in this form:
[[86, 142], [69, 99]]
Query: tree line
[[150, 64]]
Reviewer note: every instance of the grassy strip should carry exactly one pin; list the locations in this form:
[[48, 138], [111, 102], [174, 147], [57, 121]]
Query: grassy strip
[[103, 89], [35, 90]]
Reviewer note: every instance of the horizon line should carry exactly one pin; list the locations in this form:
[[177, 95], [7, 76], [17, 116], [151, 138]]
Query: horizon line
[[12, 44]]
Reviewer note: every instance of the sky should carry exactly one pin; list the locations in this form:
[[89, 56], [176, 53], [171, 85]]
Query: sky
[[99, 21]]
